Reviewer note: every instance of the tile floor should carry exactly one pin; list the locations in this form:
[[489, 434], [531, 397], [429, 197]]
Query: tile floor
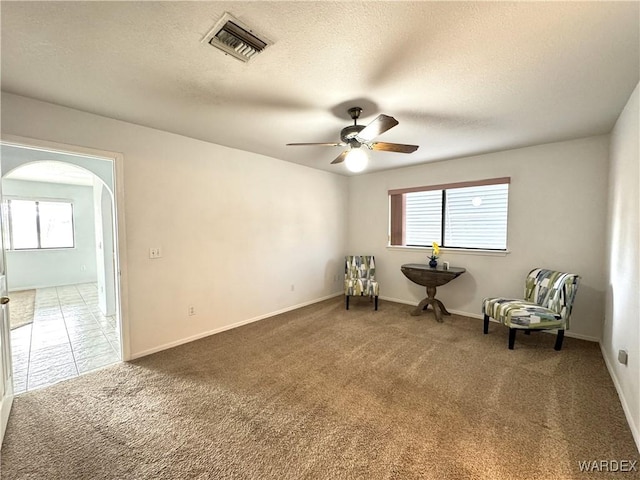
[[69, 336]]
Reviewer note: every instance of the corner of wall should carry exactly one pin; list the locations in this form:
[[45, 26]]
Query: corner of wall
[[621, 329]]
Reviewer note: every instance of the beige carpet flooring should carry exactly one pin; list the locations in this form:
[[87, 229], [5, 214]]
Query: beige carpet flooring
[[322, 393], [21, 308]]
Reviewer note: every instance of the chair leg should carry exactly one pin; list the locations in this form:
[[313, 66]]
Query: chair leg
[[486, 323], [376, 302], [346, 299], [559, 340], [512, 337]]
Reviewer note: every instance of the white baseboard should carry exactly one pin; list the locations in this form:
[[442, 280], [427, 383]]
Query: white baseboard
[[229, 327], [35, 287], [397, 300], [567, 333], [27, 287], [580, 336], [635, 432], [224, 328]]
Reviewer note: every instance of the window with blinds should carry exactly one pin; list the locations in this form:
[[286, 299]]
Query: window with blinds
[[35, 224], [464, 215]]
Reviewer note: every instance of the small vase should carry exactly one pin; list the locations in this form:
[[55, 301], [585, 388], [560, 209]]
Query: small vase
[[433, 263]]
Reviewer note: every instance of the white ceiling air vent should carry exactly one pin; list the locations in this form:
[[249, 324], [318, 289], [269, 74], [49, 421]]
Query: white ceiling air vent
[[235, 39]]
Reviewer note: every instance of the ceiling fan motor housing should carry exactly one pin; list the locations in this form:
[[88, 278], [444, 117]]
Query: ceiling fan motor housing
[[348, 134]]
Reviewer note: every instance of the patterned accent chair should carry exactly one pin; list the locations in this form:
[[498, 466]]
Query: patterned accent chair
[[360, 278], [548, 298]]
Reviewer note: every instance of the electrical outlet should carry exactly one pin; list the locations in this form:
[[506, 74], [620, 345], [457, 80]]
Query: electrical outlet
[[192, 310], [155, 252], [293, 287], [623, 357]]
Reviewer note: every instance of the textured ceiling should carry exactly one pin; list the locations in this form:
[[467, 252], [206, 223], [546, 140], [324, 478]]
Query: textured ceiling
[[461, 78]]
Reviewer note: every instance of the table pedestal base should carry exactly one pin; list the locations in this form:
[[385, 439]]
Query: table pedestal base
[[437, 305]]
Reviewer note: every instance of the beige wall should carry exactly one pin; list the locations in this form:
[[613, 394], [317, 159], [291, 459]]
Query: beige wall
[[621, 327], [237, 230], [557, 210]]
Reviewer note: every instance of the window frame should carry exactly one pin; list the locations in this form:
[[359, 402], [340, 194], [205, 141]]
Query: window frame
[[9, 236], [397, 209]]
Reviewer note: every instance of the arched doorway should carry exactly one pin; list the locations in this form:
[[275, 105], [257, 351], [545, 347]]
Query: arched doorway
[[65, 254]]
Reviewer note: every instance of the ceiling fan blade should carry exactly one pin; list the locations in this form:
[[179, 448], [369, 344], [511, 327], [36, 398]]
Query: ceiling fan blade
[[340, 158], [393, 147], [380, 125], [316, 144]]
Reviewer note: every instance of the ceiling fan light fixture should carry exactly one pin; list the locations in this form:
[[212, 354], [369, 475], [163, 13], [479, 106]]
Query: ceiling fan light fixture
[[356, 160]]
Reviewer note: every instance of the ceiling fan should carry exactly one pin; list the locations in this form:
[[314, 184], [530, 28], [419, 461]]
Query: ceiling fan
[[357, 136]]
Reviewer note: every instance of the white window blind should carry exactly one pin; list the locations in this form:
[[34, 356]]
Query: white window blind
[[56, 224], [476, 217], [24, 224], [423, 217]]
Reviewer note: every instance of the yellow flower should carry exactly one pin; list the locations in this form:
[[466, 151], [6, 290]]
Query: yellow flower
[[436, 249]]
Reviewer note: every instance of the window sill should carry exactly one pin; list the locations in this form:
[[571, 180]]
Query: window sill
[[461, 251]]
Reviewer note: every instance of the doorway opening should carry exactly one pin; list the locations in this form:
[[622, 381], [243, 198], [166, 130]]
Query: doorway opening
[[61, 260]]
